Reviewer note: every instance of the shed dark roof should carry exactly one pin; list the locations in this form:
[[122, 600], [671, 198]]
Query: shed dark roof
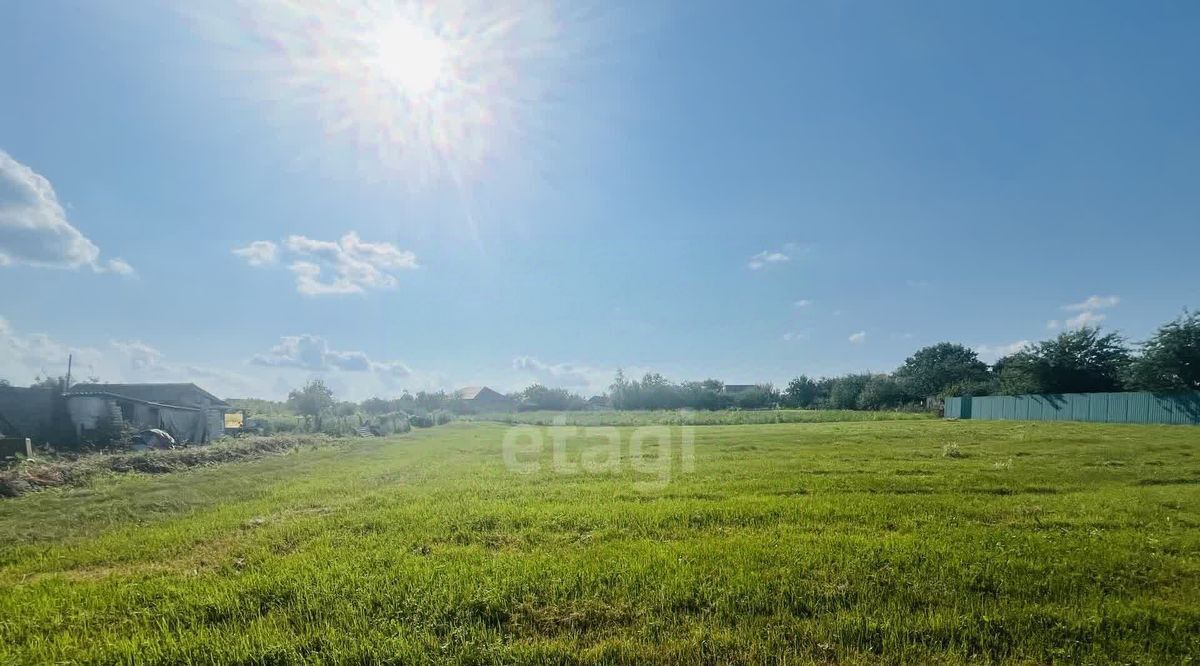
[[186, 394]]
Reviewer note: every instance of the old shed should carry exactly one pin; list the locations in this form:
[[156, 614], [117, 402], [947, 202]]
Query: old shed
[[187, 411]]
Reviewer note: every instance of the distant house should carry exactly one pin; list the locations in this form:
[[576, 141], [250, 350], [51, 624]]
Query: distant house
[[187, 411], [483, 399]]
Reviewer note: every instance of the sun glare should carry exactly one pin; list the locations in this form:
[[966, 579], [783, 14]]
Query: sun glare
[[410, 57], [421, 90]]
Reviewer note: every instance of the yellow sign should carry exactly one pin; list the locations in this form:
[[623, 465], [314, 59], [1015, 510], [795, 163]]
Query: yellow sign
[[233, 419]]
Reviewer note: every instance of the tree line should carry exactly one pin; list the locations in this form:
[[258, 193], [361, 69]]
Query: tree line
[[1078, 361]]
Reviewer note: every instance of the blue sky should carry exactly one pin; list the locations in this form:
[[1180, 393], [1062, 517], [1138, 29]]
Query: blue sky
[[247, 197]]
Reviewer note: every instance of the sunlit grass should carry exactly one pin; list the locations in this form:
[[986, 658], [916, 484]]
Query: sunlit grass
[[793, 543]]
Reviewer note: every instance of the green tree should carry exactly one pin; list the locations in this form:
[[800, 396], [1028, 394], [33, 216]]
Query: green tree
[[1079, 361], [378, 406], [881, 392], [1170, 361], [801, 392], [934, 369], [761, 396], [537, 396], [845, 391], [313, 401]]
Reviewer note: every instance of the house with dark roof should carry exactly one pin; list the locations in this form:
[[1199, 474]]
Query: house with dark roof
[[483, 399], [187, 411]]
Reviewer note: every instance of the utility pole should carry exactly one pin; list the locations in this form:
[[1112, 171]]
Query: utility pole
[[70, 357]]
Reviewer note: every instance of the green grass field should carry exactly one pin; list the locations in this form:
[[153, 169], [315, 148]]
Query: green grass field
[[914, 542], [681, 417]]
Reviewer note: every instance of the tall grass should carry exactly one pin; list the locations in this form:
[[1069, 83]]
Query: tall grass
[[825, 543], [685, 417]]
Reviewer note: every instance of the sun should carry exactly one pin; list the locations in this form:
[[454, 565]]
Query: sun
[[417, 90], [410, 57]]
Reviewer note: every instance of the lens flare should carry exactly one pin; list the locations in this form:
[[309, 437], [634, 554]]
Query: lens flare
[[423, 89]]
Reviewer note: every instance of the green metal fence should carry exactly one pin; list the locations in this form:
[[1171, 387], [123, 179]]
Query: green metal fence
[[1174, 408]]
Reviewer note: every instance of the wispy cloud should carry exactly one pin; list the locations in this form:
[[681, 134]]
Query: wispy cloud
[[1087, 312], [766, 258], [23, 355], [565, 375], [1086, 318], [1093, 303], [140, 355], [312, 352], [348, 265], [34, 230], [258, 253], [802, 303], [993, 352], [795, 336], [858, 338]]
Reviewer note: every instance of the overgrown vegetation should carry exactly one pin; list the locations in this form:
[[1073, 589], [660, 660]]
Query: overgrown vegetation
[[846, 543], [51, 471], [313, 408]]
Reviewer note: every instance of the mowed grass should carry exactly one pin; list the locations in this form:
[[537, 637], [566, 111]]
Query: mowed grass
[[788, 543], [699, 417]]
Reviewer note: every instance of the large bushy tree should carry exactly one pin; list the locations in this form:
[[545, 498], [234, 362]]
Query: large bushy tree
[[881, 392], [1080, 361], [537, 396], [313, 401], [845, 391], [1170, 360], [801, 392], [932, 370]]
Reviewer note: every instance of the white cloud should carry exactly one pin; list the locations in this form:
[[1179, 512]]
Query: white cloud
[[993, 352], [348, 265], [1052, 325], [794, 336], [802, 303], [1086, 318], [119, 266], [258, 253], [1093, 303], [562, 375], [308, 281], [858, 338], [141, 356], [311, 352], [22, 357], [767, 257], [34, 230]]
